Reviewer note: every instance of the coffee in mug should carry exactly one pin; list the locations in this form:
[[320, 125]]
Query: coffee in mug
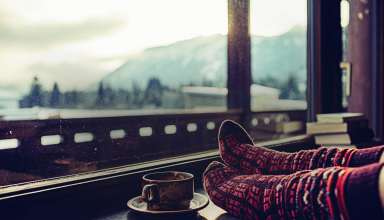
[[171, 190]]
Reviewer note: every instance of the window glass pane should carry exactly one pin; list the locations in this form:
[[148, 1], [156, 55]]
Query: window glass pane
[[279, 62], [77, 59], [60, 56], [278, 30]]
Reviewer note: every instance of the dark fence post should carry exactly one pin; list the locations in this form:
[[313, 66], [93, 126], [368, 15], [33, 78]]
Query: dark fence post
[[239, 59]]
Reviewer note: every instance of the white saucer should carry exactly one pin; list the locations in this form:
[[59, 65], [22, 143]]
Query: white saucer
[[198, 202]]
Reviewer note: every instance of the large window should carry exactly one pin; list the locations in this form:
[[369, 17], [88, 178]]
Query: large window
[[59, 57], [102, 60], [279, 68], [90, 85]]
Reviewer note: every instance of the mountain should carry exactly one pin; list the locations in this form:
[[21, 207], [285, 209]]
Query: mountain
[[203, 60], [280, 56]]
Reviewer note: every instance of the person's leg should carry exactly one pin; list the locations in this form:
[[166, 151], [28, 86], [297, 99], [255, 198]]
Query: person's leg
[[238, 150], [324, 193]]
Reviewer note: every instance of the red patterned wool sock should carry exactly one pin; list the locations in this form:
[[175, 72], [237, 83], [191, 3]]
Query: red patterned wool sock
[[324, 193], [237, 150]]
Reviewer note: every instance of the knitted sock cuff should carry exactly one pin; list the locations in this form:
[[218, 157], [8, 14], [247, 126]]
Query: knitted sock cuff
[[366, 156], [361, 193]]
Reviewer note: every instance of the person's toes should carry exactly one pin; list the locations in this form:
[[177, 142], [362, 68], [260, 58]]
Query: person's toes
[[229, 128], [217, 173], [212, 166]]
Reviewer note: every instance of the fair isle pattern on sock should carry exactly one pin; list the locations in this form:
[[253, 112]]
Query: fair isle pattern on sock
[[237, 150], [324, 193]]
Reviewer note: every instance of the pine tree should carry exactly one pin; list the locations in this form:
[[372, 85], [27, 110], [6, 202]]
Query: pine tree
[[55, 96], [35, 95], [290, 90], [100, 99], [154, 92]]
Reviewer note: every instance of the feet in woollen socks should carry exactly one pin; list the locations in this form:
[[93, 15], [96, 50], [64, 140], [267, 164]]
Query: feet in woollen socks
[[324, 193], [238, 150]]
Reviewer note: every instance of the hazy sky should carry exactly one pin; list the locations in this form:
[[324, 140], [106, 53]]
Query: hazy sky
[[76, 42]]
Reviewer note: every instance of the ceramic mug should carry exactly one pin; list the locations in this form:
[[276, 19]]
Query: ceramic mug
[[171, 190]]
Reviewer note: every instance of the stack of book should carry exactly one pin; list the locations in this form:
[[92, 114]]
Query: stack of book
[[284, 127], [340, 129]]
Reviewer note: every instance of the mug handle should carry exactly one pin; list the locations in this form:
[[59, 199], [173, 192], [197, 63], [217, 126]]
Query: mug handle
[[151, 193]]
